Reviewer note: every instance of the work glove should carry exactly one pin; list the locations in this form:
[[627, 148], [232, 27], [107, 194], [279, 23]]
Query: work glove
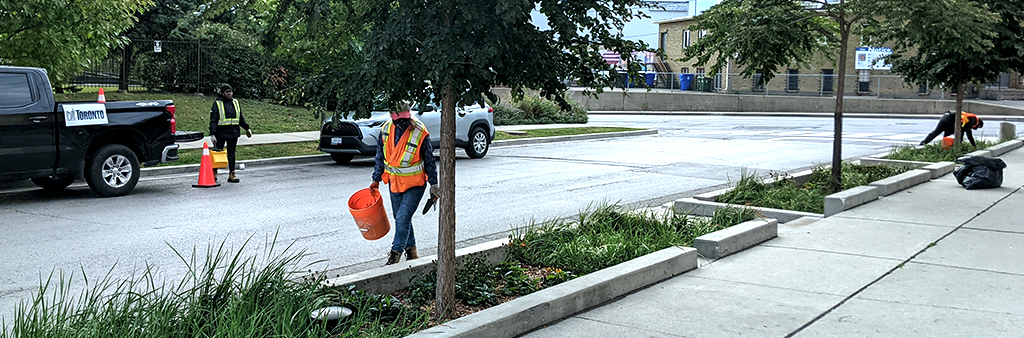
[[213, 139], [374, 185], [433, 190], [248, 133]]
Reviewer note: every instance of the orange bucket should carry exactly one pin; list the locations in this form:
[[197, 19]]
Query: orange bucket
[[367, 209], [947, 142]]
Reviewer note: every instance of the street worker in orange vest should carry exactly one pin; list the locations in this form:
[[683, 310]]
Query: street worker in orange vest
[[405, 162], [968, 122], [225, 118]]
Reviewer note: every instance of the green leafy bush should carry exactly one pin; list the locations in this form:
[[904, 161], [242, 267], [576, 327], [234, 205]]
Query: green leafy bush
[[933, 152], [532, 109], [809, 197], [607, 236], [476, 283]]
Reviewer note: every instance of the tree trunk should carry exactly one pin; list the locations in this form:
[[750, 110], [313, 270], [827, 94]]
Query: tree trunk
[[444, 301], [957, 138], [837, 141]]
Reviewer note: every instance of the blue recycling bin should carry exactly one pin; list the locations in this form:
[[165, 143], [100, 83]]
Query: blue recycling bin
[[684, 81], [649, 78]]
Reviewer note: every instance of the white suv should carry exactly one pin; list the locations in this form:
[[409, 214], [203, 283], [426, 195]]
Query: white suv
[[474, 131]]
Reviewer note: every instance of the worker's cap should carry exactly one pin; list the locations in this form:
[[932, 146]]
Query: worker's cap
[[980, 124], [224, 87], [402, 111]]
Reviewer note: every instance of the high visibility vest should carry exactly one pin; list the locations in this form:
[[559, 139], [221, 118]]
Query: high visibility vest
[[224, 120], [964, 118], [403, 167]]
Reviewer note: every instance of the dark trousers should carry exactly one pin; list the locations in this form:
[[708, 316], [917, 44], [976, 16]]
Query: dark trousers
[[945, 127], [231, 143]]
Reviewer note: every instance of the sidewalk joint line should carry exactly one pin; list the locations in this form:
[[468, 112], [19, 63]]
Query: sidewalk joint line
[[764, 285], [938, 306], [971, 269], [893, 269], [893, 221], [996, 230], [666, 334], [830, 252]]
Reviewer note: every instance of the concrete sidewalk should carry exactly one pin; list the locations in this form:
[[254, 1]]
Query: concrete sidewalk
[[934, 260], [307, 136]]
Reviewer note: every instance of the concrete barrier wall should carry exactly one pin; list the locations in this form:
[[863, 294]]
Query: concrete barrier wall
[[665, 100]]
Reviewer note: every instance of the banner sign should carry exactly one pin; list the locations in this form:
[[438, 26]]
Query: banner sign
[[85, 114], [869, 58]]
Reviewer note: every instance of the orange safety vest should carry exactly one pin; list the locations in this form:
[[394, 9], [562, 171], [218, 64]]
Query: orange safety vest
[[403, 167], [964, 118]]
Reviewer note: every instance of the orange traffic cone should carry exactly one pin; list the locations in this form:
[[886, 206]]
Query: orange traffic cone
[[206, 179], [102, 98]]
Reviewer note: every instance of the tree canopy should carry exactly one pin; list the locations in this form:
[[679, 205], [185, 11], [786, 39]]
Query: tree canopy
[[64, 36]]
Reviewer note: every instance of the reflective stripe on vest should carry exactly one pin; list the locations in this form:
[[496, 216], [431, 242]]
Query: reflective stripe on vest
[[224, 120], [405, 167], [964, 118]]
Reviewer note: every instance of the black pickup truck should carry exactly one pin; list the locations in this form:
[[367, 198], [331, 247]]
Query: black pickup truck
[[53, 144]]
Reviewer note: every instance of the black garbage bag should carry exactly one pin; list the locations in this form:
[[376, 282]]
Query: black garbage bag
[[979, 172]]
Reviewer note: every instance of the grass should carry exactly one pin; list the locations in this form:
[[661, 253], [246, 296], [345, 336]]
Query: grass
[[231, 294], [224, 294], [605, 236], [501, 135], [253, 152], [933, 152], [192, 112], [810, 197]]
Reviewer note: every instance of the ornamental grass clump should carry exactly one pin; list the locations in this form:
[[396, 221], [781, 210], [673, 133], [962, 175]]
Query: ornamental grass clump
[[933, 152], [785, 194], [223, 294], [606, 235]]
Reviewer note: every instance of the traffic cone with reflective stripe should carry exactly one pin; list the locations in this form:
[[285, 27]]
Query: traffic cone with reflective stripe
[[206, 179], [102, 98]]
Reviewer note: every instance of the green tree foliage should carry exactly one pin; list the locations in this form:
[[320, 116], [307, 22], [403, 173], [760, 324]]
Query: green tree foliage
[[765, 35], [64, 36], [454, 51], [952, 42]]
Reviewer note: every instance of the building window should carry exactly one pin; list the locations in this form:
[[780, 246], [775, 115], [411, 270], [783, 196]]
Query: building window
[[701, 34], [756, 84], [700, 71], [827, 80], [793, 81], [685, 70], [923, 89], [686, 39], [663, 42]]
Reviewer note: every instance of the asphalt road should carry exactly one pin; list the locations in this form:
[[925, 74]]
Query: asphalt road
[[305, 205]]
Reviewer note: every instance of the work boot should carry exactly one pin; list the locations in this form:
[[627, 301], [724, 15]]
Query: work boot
[[394, 257], [214, 175], [232, 178], [411, 254]]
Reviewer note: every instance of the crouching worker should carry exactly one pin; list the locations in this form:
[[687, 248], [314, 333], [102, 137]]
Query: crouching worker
[[968, 122], [405, 162]]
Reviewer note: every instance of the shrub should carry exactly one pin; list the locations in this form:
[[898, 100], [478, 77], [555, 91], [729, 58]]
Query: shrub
[[809, 197], [933, 152], [532, 109]]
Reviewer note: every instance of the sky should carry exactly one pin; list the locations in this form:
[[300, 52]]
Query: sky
[[645, 29]]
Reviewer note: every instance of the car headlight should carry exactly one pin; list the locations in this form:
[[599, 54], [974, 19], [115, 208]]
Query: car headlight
[[370, 123]]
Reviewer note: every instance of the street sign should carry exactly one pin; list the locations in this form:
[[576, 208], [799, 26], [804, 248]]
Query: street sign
[[157, 48], [870, 58]]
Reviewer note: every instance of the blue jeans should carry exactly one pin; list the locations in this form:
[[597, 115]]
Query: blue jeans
[[403, 206]]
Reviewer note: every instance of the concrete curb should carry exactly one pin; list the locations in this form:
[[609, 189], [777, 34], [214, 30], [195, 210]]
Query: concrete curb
[[545, 306], [890, 185], [703, 208], [736, 238], [535, 140], [391, 278], [939, 169], [1005, 147], [983, 152], [849, 199]]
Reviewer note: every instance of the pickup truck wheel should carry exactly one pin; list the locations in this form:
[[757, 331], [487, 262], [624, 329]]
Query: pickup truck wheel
[[58, 182], [479, 143], [342, 158], [112, 171]]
